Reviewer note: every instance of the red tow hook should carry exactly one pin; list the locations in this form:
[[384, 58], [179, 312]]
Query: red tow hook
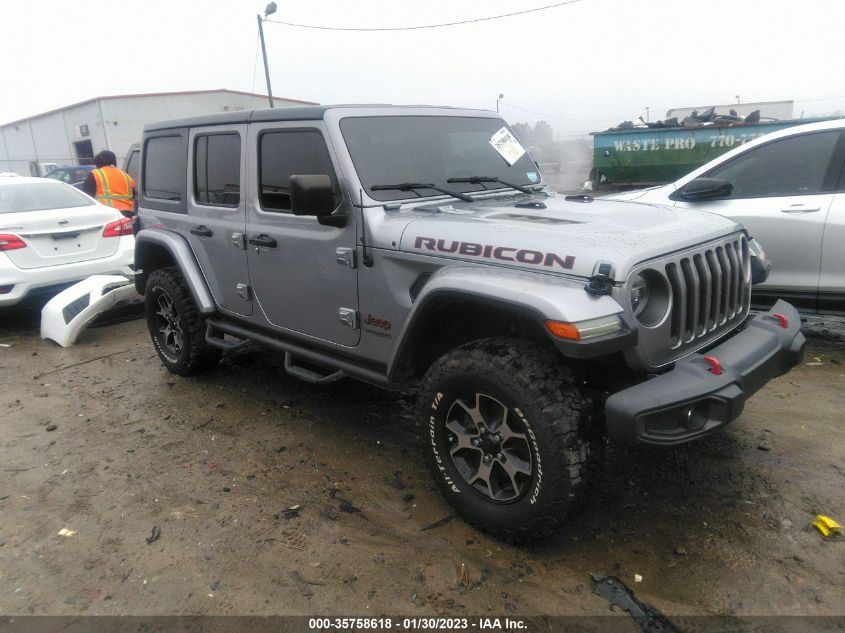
[[780, 318], [715, 365]]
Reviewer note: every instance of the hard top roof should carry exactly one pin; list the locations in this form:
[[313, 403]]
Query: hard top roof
[[293, 113]]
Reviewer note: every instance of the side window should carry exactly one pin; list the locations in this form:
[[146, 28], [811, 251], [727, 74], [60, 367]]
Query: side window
[[287, 153], [217, 169], [132, 165], [164, 168], [789, 167]]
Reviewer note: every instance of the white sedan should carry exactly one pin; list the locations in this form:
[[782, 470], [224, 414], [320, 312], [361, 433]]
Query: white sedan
[[52, 235], [788, 189]]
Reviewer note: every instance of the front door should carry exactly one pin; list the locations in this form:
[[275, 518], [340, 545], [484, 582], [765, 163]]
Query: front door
[[782, 192], [217, 213], [300, 278]]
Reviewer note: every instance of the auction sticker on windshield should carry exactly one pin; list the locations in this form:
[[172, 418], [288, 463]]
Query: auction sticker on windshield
[[508, 147]]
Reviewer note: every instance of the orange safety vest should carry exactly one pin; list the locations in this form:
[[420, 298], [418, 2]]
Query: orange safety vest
[[115, 188]]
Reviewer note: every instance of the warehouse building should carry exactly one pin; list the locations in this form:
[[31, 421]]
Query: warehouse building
[[74, 134]]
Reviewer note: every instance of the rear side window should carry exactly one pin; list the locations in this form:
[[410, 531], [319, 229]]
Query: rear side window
[[132, 164], [164, 174], [792, 166], [284, 154], [217, 170]]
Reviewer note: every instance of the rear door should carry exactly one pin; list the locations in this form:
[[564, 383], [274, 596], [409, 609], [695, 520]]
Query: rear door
[[782, 193], [299, 277], [217, 212]]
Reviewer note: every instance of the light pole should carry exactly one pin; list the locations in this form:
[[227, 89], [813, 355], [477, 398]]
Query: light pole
[[501, 96], [268, 10]]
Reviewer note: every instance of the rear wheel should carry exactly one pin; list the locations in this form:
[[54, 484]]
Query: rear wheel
[[508, 436], [176, 326]]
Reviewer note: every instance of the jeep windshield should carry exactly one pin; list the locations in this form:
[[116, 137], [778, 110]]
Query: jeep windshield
[[434, 149]]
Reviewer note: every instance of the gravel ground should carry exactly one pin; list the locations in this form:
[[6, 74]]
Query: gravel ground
[[269, 496]]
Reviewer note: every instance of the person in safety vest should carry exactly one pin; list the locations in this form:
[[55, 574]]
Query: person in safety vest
[[110, 185]]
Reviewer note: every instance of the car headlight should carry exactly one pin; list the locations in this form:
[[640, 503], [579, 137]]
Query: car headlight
[[649, 295], [640, 293], [761, 266]]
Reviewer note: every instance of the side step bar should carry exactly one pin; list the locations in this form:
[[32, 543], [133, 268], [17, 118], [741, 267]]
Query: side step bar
[[310, 376], [219, 342], [337, 367]]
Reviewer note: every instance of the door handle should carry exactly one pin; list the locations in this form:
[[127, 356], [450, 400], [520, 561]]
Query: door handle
[[263, 240], [800, 208], [202, 231]]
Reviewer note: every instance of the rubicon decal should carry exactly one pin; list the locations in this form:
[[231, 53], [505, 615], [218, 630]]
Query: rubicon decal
[[501, 253]]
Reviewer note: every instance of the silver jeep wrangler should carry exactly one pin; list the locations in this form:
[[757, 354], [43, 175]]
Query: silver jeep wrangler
[[417, 247]]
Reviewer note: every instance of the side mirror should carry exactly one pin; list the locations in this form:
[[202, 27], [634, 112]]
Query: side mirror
[[313, 195], [704, 189]]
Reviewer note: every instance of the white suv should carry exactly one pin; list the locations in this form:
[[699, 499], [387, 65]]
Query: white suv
[[52, 235]]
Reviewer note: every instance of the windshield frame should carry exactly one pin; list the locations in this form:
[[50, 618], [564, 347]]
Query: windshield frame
[[479, 190]]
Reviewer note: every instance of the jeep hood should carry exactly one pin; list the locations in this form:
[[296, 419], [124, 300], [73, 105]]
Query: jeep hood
[[555, 235]]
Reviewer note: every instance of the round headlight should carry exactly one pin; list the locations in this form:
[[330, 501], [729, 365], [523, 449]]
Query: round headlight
[[639, 294]]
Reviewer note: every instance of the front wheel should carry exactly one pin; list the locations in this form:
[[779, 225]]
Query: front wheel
[[507, 435], [176, 326]]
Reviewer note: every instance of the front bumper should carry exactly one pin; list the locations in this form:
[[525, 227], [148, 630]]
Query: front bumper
[[691, 401]]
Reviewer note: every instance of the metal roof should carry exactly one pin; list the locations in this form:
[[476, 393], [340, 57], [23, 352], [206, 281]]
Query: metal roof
[[141, 95]]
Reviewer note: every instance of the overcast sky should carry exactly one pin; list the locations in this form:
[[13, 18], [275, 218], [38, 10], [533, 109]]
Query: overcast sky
[[582, 67]]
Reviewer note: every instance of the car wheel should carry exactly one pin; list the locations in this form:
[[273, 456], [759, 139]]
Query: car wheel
[[508, 436], [176, 326]]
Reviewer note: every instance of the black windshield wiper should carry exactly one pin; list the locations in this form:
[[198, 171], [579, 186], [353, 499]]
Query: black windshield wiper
[[413, 186], [476, 180]]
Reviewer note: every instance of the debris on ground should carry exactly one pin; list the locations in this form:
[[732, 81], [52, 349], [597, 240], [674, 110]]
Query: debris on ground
[[346, 506], [67, 532], [292, 512], [827, 526], [439, 523], [154, 535], [649, 618], [51, 427], [464, 576]]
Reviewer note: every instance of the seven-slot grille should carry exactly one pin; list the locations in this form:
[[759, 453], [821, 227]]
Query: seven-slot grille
[[709, 288]]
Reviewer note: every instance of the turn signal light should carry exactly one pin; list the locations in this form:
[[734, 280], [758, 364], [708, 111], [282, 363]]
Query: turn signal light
[[118, 228], [589, 328], [10, 242], [563, 330]]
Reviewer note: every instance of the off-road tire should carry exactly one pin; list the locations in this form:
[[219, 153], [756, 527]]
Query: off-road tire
[[539, 394], [193, 355]]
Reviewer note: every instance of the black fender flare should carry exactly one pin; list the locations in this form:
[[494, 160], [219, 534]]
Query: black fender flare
[[149, 243]]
